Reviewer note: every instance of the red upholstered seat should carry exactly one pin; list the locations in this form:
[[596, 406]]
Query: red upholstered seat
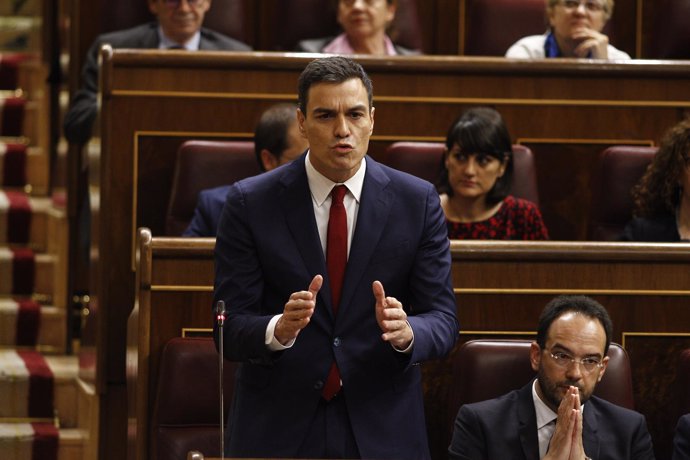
[[202, 165], [486, 369], [423, 159], [514, 20], [619, 168], [186, 414], [670, 34]]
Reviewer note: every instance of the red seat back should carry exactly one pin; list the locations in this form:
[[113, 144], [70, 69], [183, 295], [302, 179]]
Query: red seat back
[[619, 168], [202, 165], [423, 159], [186, 414]]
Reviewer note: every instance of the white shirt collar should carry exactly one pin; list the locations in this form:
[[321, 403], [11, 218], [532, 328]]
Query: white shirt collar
[[544, 413], [321, 186], [167, 42]]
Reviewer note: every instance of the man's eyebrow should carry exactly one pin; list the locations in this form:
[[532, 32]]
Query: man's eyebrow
[[322, 110], [361, 107], [358, 107], [565, 349]]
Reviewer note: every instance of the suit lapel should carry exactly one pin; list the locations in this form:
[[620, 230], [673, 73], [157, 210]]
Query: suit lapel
[[374, 209], [296, 205], [150, 38], [590, 426], [528, 423]]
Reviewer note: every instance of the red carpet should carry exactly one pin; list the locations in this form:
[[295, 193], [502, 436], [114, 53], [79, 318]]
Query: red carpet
[[12, 117], [23, 271], [18, 217], [28, 323], [45, 445], [40, 384], [14, 166]]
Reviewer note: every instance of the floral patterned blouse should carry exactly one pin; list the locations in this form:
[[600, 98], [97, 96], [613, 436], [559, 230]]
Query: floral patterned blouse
[[516, 219]]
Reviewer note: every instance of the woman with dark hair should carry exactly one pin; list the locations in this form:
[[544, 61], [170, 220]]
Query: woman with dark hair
[[475, 180], [662, 197]]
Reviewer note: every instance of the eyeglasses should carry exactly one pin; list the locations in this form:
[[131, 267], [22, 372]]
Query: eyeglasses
[[591, 6], [564, 360], [173, 4]]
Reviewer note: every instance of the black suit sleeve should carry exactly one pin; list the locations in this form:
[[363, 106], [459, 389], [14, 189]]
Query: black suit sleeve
[[468, 440], [681, 441], [81, 115]]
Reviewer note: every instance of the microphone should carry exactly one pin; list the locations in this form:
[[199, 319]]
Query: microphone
[[221, 312], [195, 455]]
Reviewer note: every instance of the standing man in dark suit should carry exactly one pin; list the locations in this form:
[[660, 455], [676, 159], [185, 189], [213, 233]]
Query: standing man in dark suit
[[178, 25], [681, 440], [333, 300], [277, 141], [555, 416]]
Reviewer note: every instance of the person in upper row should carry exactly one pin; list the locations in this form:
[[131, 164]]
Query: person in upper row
[[364, 24], [662, 197], [277, 141], [178, 26], [575, 31], [475, 181]]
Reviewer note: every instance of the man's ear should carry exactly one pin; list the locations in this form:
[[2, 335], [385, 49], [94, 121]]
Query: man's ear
[[153, 6], [268, 160], [605, 363], [300, 123], [373, 109], [535, 356]]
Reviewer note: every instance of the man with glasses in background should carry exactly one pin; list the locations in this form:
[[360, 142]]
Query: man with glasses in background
[[555, 416], [178, 26], [575, 31]]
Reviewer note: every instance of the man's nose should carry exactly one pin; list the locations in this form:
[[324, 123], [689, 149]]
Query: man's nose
[[574, 370], [342, 128]]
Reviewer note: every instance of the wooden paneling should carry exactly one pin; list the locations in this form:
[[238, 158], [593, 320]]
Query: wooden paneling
[[154, 100], [501, 289]]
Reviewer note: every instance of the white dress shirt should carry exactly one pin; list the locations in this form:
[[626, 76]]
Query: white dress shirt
[[546, 421], [320, 187]]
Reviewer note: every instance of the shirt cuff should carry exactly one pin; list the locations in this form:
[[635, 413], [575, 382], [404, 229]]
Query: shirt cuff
[[407, 350], [270, 338]]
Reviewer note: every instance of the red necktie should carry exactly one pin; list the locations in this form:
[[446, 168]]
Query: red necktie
[[336, 260]]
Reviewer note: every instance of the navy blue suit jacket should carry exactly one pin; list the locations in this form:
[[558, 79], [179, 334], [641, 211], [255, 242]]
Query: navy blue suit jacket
[[506, 428], [268, 247], [681, 440], [207, 212], [83, 109]]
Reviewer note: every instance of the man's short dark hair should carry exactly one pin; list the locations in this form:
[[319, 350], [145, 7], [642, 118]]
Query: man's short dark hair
[[573, 303], [333, 69], [271, 132]]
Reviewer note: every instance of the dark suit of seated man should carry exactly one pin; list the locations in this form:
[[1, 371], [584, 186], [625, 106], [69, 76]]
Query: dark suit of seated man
[[178, 26], [277, 141], [555, 416], [681, 440]]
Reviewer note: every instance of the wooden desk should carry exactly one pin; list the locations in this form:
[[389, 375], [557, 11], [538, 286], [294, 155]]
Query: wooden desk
[[501, 288]]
